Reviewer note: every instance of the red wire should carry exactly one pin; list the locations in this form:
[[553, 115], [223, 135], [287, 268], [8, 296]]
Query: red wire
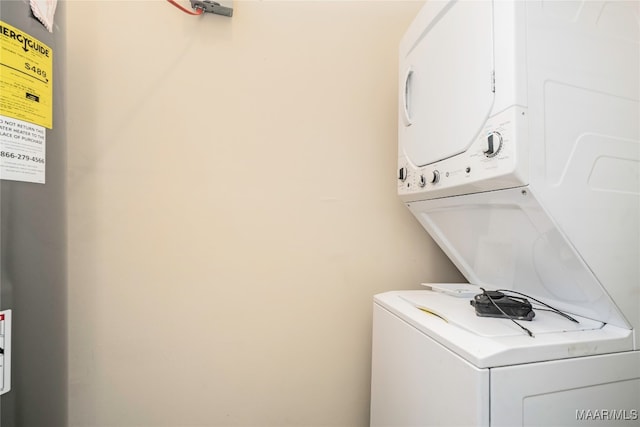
[[198, 11]]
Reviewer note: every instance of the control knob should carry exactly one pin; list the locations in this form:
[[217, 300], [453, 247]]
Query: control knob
[[435, 177], [402, 174], [493, 144]]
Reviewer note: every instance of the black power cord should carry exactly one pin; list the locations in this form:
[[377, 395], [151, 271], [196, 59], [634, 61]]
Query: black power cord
[[519, 307], [555, 310], [490, 296]]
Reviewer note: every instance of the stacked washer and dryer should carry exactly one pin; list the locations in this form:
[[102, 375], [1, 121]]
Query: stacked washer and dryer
[[519, 153]]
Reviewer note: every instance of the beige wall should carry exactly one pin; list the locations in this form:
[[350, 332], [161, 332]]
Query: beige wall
[[232, 210]]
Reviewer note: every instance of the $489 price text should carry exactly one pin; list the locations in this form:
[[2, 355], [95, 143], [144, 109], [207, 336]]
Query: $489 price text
[[35, 70]]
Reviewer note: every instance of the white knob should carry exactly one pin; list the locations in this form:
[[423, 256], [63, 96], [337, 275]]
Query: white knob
[[402, 174], [493, 144]]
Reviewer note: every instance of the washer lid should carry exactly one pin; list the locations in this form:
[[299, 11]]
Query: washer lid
[[505, 239], [446, 79]]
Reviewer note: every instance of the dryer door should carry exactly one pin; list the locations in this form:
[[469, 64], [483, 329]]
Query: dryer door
[[446, 79]]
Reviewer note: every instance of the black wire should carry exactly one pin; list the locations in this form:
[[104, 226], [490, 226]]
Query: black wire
[[555, 310], [506, 315]]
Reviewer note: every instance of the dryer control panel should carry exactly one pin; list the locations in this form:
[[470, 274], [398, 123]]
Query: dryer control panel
[[493, 161]]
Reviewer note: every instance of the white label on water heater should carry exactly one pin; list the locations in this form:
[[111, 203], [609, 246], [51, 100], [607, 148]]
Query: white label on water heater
[[5, 351], [22, 150]]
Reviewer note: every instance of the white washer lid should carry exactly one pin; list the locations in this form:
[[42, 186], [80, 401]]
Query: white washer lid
[[505, 239]]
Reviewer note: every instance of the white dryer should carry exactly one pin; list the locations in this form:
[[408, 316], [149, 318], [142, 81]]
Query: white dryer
[[519, 153]]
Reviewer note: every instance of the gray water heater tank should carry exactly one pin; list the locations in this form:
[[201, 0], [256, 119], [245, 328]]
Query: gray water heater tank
[[33, 268]]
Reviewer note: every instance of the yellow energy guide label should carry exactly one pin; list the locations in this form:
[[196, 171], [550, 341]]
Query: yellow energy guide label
[[26, 71]]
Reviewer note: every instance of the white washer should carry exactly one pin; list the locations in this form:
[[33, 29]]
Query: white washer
[[449, 369], [519, 153]]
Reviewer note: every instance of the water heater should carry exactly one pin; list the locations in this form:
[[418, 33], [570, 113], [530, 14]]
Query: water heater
[[33, 276]]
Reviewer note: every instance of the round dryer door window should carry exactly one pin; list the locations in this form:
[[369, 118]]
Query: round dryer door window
[[446, 80]]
